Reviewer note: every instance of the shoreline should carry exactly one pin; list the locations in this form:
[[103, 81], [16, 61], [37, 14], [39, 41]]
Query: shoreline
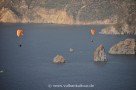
[[59, 24]]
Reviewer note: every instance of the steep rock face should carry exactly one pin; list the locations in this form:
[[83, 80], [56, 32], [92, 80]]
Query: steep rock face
[[124, 47], [61, 11], [6, 15], [36, 15], [99, 54], [52, 16]]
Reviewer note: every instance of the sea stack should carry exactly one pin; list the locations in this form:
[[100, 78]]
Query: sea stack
[[99, 54], [127, 46], [59, 59]]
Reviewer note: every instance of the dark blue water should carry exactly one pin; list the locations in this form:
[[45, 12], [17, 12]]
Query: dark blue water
[[30, 67]]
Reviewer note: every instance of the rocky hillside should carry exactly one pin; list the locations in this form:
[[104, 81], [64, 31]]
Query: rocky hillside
[[126, 20], [62, 11]]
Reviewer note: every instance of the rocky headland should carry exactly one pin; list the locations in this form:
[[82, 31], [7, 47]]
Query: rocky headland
[[127, 46]]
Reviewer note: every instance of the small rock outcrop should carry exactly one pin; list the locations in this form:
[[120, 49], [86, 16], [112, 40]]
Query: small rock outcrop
[[59, 59], [99, 54], [124, 47]]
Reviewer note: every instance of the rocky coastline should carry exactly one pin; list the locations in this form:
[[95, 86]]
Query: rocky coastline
[[127, 46]]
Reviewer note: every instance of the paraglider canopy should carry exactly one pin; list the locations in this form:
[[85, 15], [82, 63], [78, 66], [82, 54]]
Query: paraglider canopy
[[92, 31], [20, 32]]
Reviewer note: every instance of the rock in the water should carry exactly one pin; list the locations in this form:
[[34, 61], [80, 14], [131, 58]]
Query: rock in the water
[[59, 59], [99, 54], [124, 47]]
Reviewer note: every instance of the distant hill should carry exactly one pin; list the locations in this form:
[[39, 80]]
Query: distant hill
[[79, 11], [68, 11]]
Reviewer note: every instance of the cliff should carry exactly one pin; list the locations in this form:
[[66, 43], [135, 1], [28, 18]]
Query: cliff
[[67, 11], [6, 15], [57, 11]]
